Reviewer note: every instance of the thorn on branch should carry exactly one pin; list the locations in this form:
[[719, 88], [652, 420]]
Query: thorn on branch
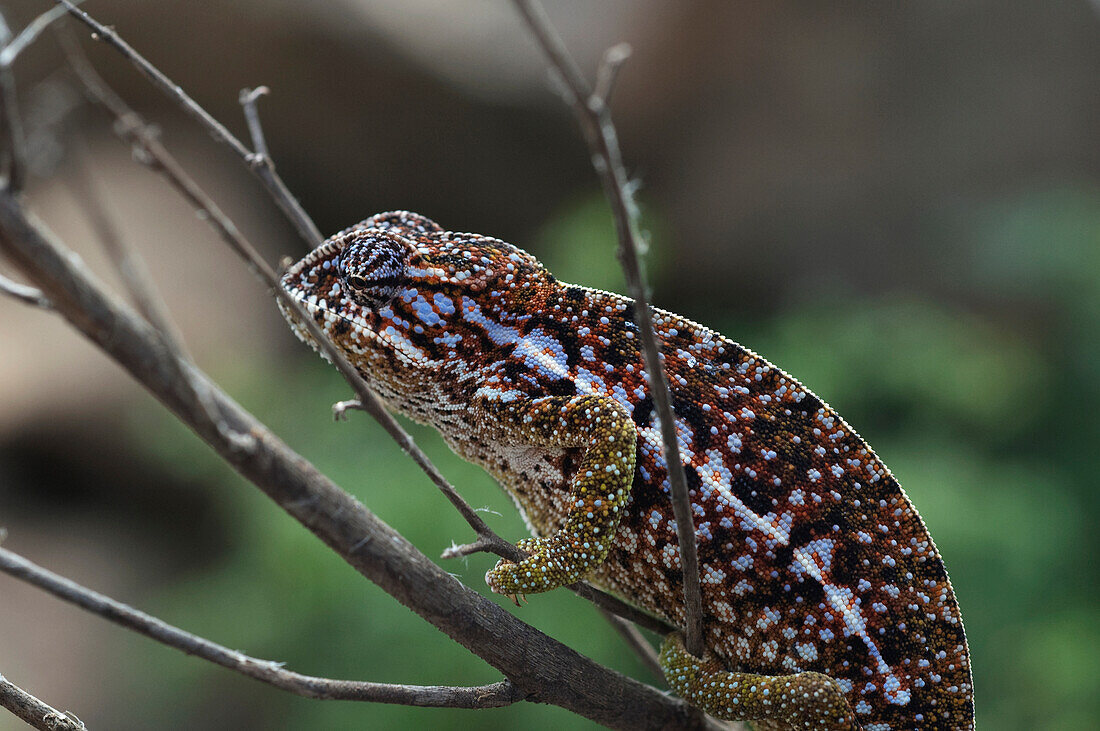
[[340, 409], [24, 293]]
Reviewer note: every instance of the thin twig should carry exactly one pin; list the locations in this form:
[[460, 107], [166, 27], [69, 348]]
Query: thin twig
[[248, 99], [9, 115], [125, 260], [594, 119], [487, 696], [10, 125], [139, 284], [266, 173], [537, 664], [617, 606], [608, 72], [28, 35], [23, 293], [34, 712], [637, 642]]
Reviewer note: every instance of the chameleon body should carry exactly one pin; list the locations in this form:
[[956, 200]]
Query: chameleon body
[[826, 603]]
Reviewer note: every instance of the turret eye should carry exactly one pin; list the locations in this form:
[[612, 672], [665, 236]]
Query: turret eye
[[373, 266]]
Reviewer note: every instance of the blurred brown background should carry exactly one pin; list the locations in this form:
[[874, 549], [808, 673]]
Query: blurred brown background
[[897, 202]]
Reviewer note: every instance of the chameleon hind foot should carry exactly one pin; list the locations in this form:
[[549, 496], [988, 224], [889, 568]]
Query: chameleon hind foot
[[805, 700]]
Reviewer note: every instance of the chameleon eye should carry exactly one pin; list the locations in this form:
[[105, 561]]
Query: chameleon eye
[[373, 266]]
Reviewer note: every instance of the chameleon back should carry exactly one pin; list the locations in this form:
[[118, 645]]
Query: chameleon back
[[811, 555]]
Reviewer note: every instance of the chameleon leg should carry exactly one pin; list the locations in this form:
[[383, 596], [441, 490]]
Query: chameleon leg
[[598, 494], [804, 700]]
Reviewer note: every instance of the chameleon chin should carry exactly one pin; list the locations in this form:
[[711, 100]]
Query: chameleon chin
[[826, 604]]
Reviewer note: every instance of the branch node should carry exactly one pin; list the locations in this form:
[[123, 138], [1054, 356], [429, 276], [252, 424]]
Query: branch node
[[240, 442], [608, 73], [62, 719], [481, 545]]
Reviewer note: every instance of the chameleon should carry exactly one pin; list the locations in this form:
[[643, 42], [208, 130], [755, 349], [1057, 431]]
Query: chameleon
[[826, 604]]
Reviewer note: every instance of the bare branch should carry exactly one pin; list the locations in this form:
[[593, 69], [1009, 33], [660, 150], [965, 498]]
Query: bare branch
[[483, 544], [23, 293], [266, 173], [637, 642], [535, 663], [594, 119], [9, 115], [617, 606], [488, 696], [340, 409], [34, 712]]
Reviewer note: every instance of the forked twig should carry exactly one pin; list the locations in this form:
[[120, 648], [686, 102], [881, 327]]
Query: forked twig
[[266, 173], [248, 99]]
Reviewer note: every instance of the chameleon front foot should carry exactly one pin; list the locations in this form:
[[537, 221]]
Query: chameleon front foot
[[598, 493], [805, 700], [548, 567]]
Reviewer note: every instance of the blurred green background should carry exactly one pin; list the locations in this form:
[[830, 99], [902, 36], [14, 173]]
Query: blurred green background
[[898, 205]]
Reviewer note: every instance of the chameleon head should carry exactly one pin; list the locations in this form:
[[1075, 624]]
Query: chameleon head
[[401, 297]]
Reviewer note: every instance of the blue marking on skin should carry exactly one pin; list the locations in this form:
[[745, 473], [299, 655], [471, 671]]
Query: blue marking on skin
[[499, 334], [423, 309], [544, 354], [444, 304]]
